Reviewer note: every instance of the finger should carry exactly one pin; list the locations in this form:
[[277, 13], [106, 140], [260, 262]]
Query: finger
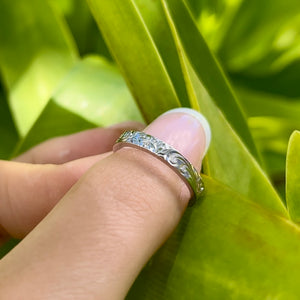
[[96, 240], [28, 192], [86, 143]]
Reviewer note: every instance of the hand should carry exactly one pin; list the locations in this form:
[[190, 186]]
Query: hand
[[29, 190], [102, 228]]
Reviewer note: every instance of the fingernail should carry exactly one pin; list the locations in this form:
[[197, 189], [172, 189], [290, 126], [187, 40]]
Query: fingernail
[[184, 129]]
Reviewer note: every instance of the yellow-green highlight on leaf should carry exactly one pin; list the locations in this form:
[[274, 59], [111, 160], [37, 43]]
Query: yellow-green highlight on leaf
[[293, 177], [133, 48], [209, 71], [273, 133], [95, 90], [214, 18], [252, 38], [154, 18], [36, 51], [228, 160], [226, 247], [86, 97]]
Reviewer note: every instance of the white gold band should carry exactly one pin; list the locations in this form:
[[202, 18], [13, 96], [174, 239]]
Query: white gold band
[[167, 154]]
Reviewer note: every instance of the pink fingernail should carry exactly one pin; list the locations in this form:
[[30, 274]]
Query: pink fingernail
[[184, 129]]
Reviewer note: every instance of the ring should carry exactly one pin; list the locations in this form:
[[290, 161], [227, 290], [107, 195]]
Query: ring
[[167, 154]]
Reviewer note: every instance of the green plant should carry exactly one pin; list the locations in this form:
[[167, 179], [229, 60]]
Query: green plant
[[242, 240]]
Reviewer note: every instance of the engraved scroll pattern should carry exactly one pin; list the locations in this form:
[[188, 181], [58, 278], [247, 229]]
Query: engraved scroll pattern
[[166, 152]]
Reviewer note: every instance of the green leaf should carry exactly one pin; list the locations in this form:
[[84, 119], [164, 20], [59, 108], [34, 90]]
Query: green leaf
[[8, 133], [134, 50], [86, 97], [271, 135], [283, 83], [36, 51], [256, 103], [293, 177], [53, 121], [244, 175], [225, 247], [209, 72], [284, 50], [152, 19], [272, 119], [256, 30], [259, 41], [228, 160], [94, 89], [214, 18], [82, 25]]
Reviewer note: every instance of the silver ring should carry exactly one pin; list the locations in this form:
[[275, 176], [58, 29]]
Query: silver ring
[[166, 153]]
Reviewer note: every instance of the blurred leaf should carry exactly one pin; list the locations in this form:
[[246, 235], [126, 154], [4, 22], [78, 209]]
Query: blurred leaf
[[82, 25], [255, 31], [214, 18], [273, 133], [225, 248], [284, 83], [86, 97], [94, 88], [293, 177], [275, 165], [272, 120], [284, 51], [53, 121], [256, 103], [134, 50], [259, 41], [36, 51], [8, 134]]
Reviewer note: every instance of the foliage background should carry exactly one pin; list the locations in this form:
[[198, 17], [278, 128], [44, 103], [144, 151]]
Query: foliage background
[[58, 77]]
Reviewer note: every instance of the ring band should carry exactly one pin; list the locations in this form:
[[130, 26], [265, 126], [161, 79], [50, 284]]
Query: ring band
[[166, 153]]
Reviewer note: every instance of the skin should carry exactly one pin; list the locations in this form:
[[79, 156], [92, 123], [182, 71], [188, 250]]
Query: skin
[[91, 218]]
